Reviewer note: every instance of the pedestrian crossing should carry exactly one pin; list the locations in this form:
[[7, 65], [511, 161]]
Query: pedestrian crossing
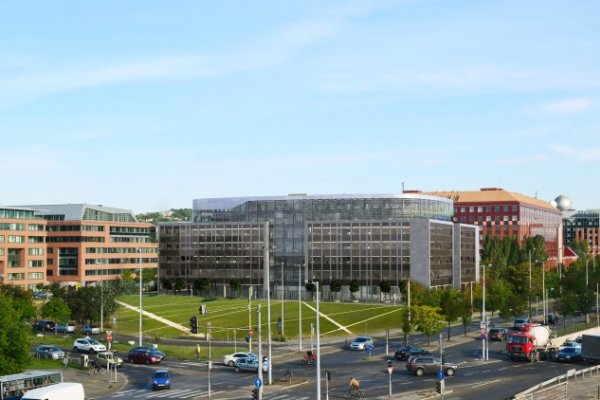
[[286, 397], [164, 394]]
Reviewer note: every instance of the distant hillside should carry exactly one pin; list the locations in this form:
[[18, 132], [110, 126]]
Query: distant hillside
[[173, 215]]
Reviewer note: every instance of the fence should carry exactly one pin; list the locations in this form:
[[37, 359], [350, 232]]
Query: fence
[[557, 388]]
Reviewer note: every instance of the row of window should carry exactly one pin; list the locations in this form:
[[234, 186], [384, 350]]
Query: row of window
[[488, 218], [21, 276], [487, 209], [21, 239]]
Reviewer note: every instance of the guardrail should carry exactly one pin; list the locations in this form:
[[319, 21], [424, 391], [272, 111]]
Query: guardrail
[[561, 380]]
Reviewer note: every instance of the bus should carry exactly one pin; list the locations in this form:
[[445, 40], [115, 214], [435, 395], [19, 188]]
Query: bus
[[12, 387]]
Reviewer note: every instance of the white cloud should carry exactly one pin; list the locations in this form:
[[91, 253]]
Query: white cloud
[[577, 154], [568, 106]]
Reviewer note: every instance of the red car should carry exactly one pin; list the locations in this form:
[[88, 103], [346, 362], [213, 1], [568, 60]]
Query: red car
[[144, 355]]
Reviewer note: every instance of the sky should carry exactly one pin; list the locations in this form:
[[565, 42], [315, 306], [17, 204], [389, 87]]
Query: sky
[[147, 105]]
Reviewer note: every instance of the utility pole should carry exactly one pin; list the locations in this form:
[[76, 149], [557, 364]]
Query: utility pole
[[282, 298], [260, 360], [250, 319], [270, 373], [318, 346], [529, 294], [299, 309]]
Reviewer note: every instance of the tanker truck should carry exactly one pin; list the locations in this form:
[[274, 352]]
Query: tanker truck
[[532, 343]]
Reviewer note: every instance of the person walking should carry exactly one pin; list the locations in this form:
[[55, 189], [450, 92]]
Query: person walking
[[197, 351]]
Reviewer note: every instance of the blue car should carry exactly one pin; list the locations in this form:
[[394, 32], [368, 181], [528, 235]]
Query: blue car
[[161, 379], [569, 354]]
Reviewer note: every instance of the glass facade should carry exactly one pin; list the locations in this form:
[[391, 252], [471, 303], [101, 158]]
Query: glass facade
[[583, 226], [345, 237]]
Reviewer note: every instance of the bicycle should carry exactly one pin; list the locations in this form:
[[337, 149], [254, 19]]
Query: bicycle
[[96, 369], [354, 393]]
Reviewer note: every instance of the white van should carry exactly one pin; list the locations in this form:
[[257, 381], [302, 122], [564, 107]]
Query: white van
[[59, 391]]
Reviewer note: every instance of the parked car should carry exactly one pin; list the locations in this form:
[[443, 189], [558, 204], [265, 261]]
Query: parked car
[[229, 359], [90, 330], [44, 325], [420, 365], [405, 352], [569, 354], [520, 323], [65, 328], [88, 345], [551, 319], [49, 351], [144, 355], [250, 364], [498, 334], [42, 295], [361, 343], [106, 357], [161, 379]]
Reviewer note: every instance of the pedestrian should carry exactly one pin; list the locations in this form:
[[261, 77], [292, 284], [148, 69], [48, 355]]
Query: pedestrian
[[197, 351], [66, 360]]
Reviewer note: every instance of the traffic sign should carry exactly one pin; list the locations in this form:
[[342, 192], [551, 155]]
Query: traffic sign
[[369, 348], [108, 336], [390, 369], [257, 383], [251, 332], [440, 375]]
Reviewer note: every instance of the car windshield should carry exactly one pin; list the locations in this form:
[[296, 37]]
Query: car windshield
[[517, 339], [361, 339], [569, 350], [94, 341]]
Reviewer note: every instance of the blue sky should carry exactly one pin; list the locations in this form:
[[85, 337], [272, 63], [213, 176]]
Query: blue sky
[[147, 105]]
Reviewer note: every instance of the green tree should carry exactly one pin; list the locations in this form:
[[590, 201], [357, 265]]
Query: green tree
[[406, 324], [451, 306], [201, 285], [57, 310], [14, 339], [385, 288], [235, 286], [148, 277], [335, 286], [427, 320], [497, 295], [354, 287]]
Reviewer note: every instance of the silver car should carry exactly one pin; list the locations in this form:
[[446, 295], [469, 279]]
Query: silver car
[[361, 343], [49, 351], [249, 364]]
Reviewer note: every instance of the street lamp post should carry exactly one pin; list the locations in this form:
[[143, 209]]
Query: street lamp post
[[318, 345], [140, 340], [529, 294], [282, 299], [209, 363], [299, 309], [484, 353], [259, 344], [270, 373]]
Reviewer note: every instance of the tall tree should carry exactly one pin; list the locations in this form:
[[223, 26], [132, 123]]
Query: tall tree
[[57, 310], [14, 339], [451, 306], [427, 320]]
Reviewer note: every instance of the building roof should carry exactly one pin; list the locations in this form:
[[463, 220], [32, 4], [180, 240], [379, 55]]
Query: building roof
[[231, 202], [493, 195], [75, 212]]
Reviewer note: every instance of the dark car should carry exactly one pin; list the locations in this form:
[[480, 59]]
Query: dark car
[[551, 319], [498, 334], [161, 379], [44, 325], [90, 330], [420, 365], [144, 355], [405, 352], [569, 354]]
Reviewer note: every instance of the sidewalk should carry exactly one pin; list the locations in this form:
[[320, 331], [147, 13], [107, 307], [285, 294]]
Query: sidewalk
[[95, 386]]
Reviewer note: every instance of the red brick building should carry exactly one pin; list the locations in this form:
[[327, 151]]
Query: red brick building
[[502, 213]]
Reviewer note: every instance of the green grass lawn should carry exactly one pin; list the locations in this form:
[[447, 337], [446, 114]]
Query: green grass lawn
[[230, 317]]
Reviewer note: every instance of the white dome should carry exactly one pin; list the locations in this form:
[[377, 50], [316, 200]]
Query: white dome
[[553, 203], [563, 203]]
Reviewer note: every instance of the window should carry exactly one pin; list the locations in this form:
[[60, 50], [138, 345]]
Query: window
[[471, 209], [15, 239], [505, 218], [36, 263], [36, 252], [1, 238], [463, 209], [479, 209], [497, 208], [505, 208]]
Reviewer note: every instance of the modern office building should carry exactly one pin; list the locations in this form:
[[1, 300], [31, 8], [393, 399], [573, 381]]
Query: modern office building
[[368, 238], [502, 213], [583, 226], [22, 247], [82, 244]]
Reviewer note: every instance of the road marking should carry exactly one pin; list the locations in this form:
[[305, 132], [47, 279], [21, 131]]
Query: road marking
[[486, 383], [329, 319]]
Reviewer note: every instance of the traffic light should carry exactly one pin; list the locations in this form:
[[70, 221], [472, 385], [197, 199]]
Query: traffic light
[[194, 324], [254, 394]]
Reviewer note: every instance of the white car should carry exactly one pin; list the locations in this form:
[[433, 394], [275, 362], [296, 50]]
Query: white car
[[88, 345], [230, 359], [361, 343]]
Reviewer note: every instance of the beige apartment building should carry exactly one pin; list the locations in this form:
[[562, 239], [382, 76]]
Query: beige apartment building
[[74, 244]]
